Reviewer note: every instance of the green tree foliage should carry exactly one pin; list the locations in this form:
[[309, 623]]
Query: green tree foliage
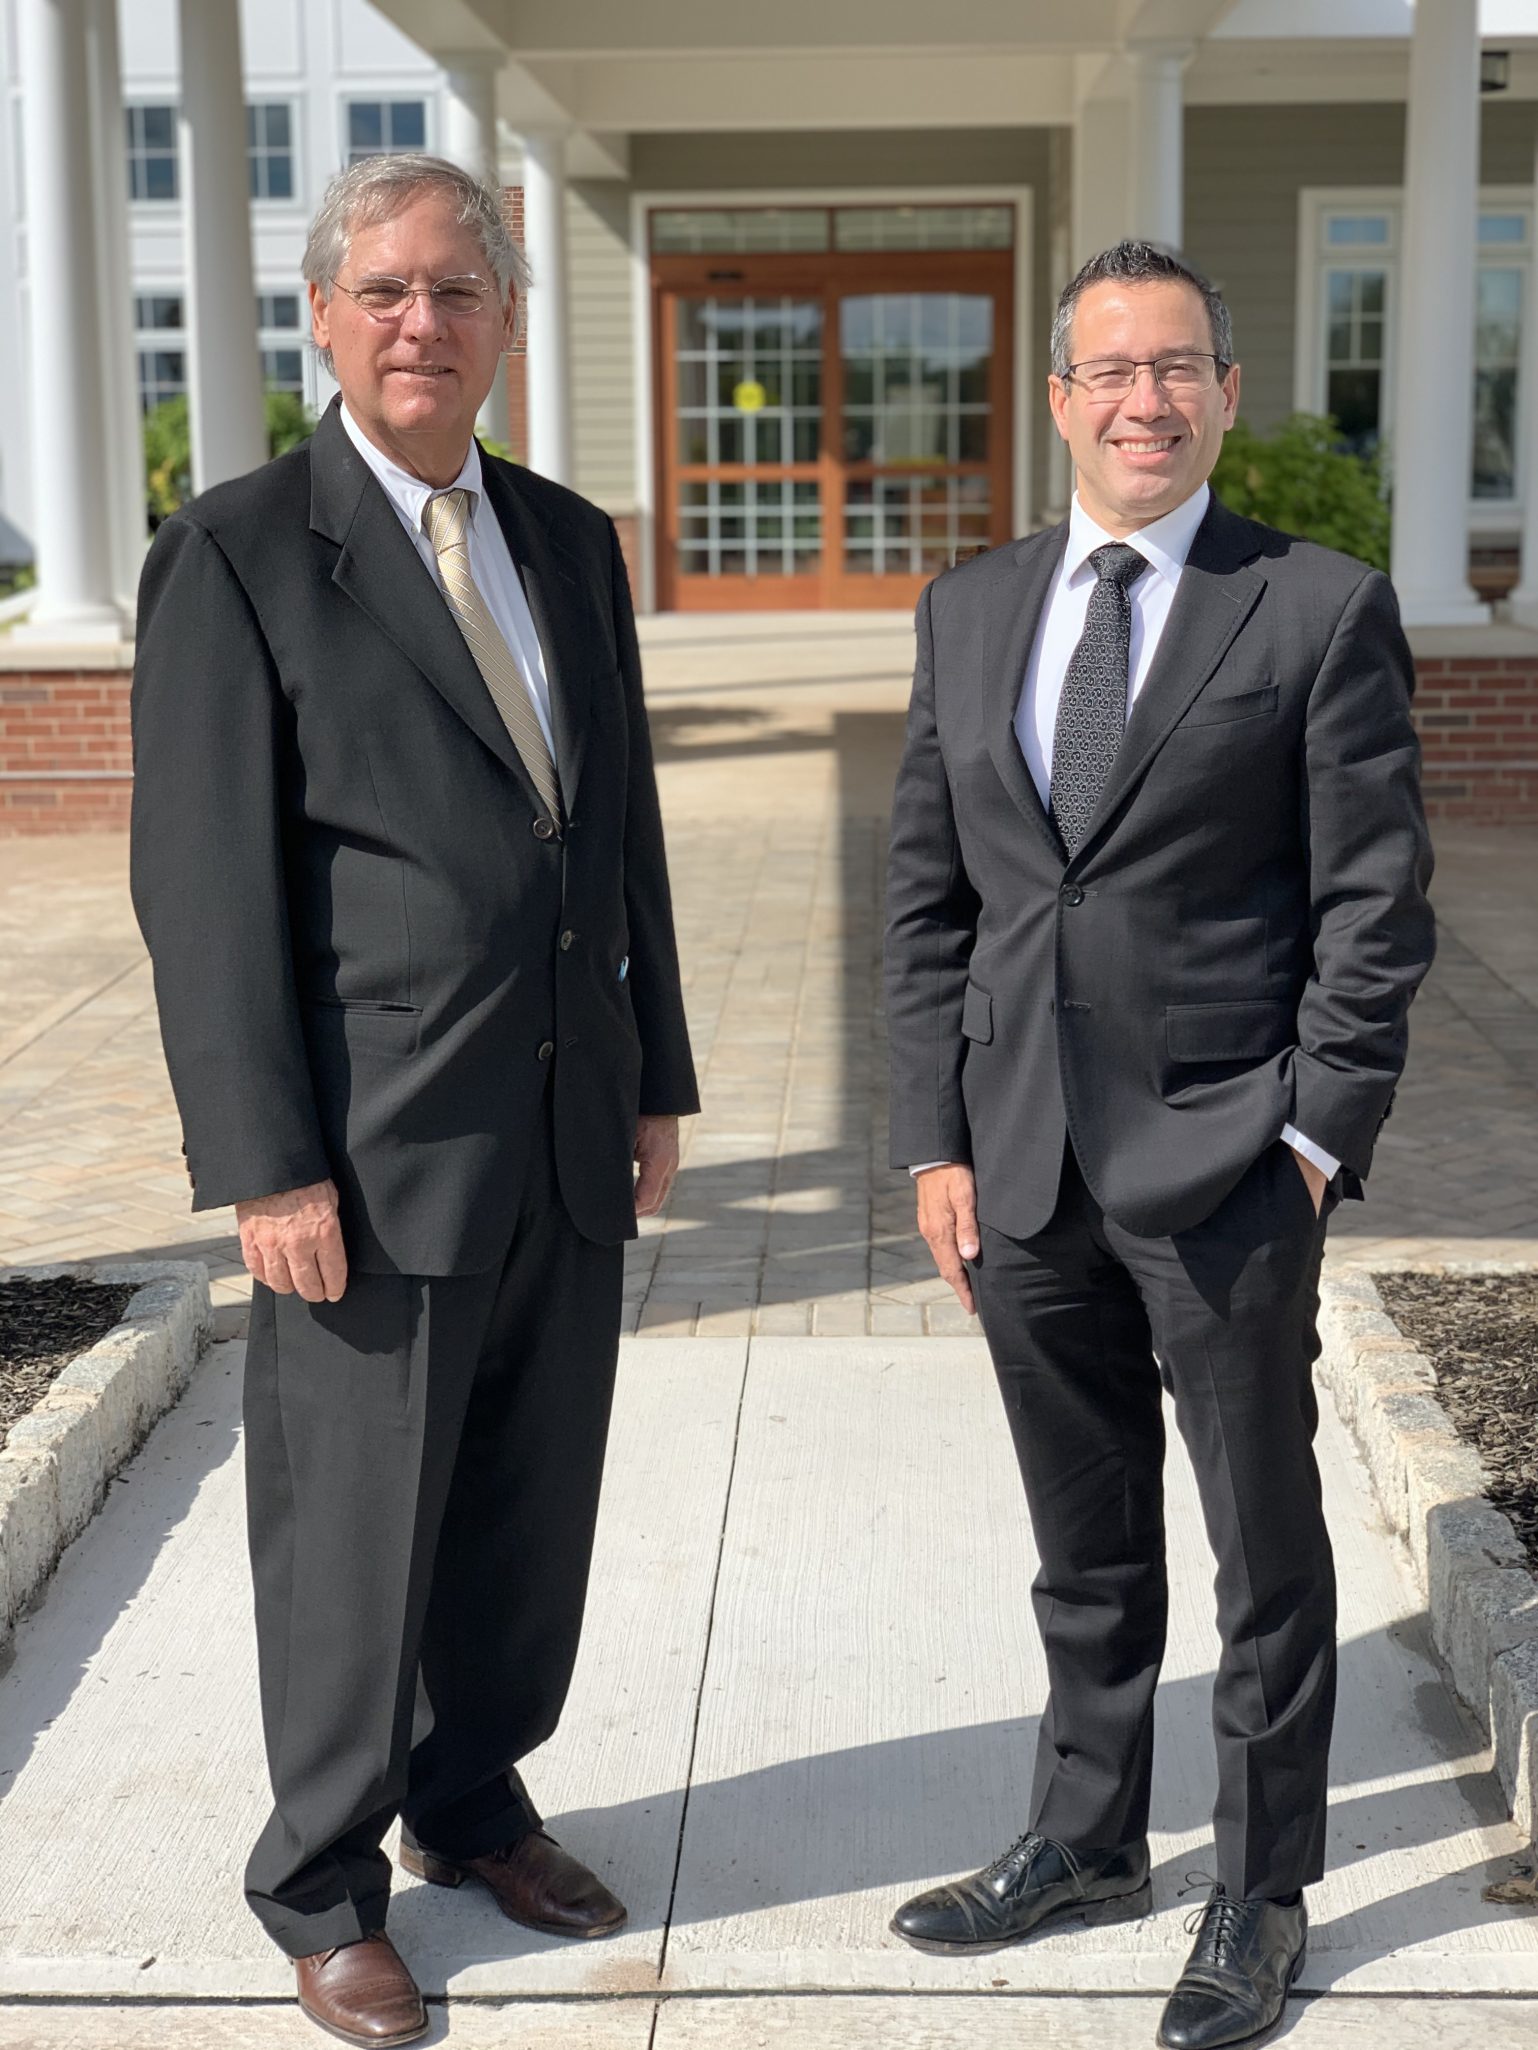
[[1300, 479], [168, 447]]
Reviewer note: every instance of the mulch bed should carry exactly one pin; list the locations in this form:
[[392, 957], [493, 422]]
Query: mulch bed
[[1480, 1332], [43, 1326]]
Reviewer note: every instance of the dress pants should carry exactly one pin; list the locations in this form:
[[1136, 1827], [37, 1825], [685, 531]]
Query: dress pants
[[1074, 1317], [423, 1462]]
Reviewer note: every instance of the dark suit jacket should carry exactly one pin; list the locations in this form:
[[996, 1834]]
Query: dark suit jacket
[[1235, 944], [360, 944]]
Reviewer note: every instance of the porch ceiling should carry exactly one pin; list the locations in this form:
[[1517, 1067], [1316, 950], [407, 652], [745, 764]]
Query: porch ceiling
[[605, 69], [620, 28]]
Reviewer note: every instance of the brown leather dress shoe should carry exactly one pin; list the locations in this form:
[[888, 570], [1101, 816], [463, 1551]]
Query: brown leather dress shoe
[[362, 1993], [533, 1881]]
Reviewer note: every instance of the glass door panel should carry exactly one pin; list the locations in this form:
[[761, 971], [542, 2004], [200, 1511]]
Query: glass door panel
[[747, 430], [917, 429]]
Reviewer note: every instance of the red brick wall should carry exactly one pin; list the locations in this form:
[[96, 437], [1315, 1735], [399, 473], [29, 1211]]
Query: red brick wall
[[57, 721], [1478, 722]]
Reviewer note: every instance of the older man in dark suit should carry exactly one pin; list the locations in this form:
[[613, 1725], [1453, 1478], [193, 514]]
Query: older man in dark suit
[[398, 859], [1158, 910]]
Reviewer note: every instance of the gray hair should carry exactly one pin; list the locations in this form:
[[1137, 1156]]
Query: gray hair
[[1139, 263], [378, 188]]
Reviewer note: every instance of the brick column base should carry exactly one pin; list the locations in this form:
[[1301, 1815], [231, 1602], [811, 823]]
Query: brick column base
[[65, 757], [1478, 721]]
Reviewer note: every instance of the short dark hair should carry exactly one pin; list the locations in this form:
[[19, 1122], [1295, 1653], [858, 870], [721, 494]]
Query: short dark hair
[[1139, 263]]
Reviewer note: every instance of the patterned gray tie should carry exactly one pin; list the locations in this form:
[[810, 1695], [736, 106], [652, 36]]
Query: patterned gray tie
[[1092, 710]]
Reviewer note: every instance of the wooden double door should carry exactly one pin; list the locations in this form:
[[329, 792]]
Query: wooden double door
[[833, 429]]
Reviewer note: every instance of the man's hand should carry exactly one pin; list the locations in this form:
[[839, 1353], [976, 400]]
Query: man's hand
[[948, 1221], [294, 1242], [656, 1152], [1316, 1178]]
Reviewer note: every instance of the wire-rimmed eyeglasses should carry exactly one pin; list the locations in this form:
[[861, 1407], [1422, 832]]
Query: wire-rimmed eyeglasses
[[387, 298], [1112, 377]]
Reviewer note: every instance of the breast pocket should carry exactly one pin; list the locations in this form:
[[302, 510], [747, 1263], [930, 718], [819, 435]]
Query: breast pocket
[[1217, 708]]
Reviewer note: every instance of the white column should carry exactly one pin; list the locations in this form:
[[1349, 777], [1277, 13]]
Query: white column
[[124, 446], [1156, 201], [224, 365], [70, 524], [470, 140], [1523, 602], [549, 365], [1102, 177], [1432, 443]]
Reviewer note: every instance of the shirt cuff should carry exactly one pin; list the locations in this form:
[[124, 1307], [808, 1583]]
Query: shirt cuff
[[1326, 1163], [925, 1165]]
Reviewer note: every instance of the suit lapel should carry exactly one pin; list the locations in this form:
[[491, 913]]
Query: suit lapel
[[1218, 590], [379, 569], [552, 585], [1012, 632]]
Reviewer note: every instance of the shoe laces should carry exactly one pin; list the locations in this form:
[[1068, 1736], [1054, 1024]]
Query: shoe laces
[[1020, 1853], [1219, 1921]]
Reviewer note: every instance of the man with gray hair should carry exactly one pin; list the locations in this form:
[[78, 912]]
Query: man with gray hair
[[398, 859], [1158, 910]]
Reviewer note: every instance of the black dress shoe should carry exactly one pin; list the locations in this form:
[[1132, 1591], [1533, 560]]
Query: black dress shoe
[[1242, 1966], [1009, 1899]]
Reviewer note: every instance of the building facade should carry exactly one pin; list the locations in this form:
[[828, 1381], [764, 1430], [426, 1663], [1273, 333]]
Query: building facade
[[794, 273], [322, 83]]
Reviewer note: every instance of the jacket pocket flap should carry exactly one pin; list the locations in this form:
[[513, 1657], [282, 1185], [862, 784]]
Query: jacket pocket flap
[[977, 1015], [1229, 1032]]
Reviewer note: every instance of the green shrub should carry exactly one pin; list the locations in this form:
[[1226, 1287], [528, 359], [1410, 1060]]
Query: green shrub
[[1299, 478], [167, 458], [168, 446]]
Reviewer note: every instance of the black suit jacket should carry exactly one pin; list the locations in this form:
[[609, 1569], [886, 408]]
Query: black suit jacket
[[360, 944], [1236, 943]]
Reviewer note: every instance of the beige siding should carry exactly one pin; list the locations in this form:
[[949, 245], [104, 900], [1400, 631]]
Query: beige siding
[[602, 344], [1245, 167]]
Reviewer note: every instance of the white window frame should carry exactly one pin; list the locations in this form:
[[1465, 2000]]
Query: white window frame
[[289, 337], [356, 94], [156, 208], [257, 98], [1487, 516], [150, 339]]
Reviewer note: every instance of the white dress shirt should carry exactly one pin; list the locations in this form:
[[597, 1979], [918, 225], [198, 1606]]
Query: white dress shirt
[[491, 562], [1166, 543]]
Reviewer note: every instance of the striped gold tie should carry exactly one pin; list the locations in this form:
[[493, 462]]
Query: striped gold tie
[[446, 517]]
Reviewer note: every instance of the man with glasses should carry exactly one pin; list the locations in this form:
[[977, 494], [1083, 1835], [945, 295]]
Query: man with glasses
[[398, 859], [1158, 909]]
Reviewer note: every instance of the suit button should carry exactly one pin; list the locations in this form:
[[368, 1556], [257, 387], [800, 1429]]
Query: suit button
[[1072, 894], [568, 941], [547, 1049], [544, 829]]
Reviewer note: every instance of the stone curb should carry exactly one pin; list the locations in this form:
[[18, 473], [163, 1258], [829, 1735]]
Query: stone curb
[[1472, 1569], [60, 1456]]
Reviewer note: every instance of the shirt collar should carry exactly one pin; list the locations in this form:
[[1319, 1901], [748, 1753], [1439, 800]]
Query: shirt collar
[[1166, 542], [408, 494]]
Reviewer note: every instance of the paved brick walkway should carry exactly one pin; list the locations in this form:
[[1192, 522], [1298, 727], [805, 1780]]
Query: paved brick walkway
[[776, 747]]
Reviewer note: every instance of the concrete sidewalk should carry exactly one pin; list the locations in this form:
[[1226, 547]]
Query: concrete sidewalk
[[807, 1687]]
